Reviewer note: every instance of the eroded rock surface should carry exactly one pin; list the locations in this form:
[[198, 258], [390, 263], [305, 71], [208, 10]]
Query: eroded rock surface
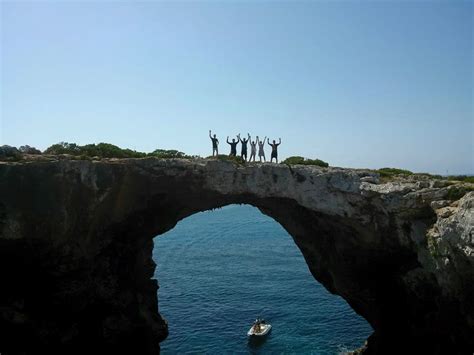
[[76, 243]]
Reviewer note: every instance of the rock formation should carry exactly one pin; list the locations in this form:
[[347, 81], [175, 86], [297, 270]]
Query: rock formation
[[76, 238]]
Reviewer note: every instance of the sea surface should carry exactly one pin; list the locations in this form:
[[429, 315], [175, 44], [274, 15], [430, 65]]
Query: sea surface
[[219, 270]]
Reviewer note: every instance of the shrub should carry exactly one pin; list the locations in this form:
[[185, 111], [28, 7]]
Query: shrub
[[63, 148], [107, 150], [9, 153], [464, 178], [387, 172], [167, 154], [456, 192], [102, 150], [297, 160], [26, 149]]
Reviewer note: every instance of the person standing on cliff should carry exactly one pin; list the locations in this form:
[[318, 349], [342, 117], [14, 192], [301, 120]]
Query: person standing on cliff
[[215, 143], [261, 151], [274, 146], [253, 150], [233, 146], [244, 146]]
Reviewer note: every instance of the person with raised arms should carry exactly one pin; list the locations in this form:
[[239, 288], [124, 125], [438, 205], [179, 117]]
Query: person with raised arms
[[253, 150], [215, 143], [274, 146], [261, 150], [233, 146], [244, 146]]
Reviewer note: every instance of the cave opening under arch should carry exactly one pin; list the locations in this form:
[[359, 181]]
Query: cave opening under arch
[[219, 269]]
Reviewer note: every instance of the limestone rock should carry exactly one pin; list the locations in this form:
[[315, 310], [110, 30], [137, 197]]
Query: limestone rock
[[76, 242]]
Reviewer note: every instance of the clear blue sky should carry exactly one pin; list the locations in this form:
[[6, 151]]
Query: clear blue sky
[[358, 84]]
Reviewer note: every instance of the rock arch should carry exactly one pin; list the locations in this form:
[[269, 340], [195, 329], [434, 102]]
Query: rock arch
[[78, 235]]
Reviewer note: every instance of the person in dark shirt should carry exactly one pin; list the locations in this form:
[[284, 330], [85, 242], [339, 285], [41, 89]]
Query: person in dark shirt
[[233, 146], [244, 146], [274, 146], [215, 143]]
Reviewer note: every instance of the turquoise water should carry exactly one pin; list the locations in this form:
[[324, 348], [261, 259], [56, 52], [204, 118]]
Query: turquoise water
[[219, 270]]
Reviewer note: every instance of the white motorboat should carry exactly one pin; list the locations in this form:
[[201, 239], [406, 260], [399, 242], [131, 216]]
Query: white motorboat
[[259, 328]]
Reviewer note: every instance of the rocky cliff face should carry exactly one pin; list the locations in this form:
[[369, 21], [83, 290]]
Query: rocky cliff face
[[76, 242]]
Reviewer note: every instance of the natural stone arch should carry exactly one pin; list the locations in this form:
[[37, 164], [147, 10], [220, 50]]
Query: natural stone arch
[[91, 240]]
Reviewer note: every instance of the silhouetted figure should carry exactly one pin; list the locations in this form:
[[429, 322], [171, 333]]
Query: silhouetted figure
[[233, 146], [215, 143], [261, 151], [244, 146], [274, 149], [253, 150]]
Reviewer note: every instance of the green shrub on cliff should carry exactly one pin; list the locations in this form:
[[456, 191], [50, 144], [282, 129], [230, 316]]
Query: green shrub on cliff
[[103, 150], [9, 153], [297, 160], [26, 149], [463, 178], [387, 172], [168, 154], [107, 150], [456, 192], [63, 148]]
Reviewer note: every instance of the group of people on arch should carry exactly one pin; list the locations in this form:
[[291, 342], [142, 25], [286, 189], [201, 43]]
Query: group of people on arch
[[244, 142]]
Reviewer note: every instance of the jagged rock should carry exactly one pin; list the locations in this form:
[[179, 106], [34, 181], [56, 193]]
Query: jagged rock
[[370, 179], [440, 204], [76, 242], [445, 211]]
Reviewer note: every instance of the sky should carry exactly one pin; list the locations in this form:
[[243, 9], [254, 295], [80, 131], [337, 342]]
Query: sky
[[363, 84]]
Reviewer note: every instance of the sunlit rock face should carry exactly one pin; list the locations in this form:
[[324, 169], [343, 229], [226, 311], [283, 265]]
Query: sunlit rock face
[[76, 248]]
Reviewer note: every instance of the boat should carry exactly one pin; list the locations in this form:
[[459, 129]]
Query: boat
[[259, 328]]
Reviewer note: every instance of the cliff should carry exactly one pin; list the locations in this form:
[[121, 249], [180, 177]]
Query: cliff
[[76, 242]]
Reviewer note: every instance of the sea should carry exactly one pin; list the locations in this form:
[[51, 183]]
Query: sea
[[219, 270]]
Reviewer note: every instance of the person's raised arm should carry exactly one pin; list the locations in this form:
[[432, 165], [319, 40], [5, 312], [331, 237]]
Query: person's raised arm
[[279, 141], [268, 141], [228, 140], [210, 134]]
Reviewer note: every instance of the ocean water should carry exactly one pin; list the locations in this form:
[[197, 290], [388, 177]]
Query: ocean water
[[219, 270]]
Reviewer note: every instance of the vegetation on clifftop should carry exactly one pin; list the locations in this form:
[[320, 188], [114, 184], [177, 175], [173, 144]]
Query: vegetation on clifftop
[[456, 192], [170, 154], [8, 153], [387, 172], [463, 178], [102, 150], [297, 160], [106, 150]]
